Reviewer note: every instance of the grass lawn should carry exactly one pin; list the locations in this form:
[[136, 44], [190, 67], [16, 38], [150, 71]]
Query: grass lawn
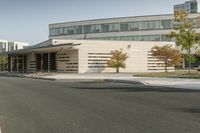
[[176, 74]]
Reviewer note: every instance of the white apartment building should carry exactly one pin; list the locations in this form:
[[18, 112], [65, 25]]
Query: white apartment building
[[6, 45]]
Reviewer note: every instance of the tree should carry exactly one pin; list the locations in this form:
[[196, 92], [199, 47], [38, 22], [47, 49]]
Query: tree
[[168, 55], [185, 35], [198, 22], [3, 62], [118, 59], [198, 52]]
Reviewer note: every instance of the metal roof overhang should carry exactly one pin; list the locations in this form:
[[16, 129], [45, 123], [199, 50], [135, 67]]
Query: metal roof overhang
[[50, 48]]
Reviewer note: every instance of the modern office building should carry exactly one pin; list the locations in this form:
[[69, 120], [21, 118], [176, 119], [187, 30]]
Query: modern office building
[[6, 45], [83, 56], [136, 28], [85, 46], [191, 6], [139, 28]]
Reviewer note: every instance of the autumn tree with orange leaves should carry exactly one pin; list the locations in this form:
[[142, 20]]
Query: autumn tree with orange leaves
[[168, 55], [118, 59]]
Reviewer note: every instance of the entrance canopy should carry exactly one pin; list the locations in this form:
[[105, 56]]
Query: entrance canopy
[[37, 48]]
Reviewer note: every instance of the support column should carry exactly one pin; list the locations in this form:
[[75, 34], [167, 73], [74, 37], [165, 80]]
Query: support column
[[49, 62], [41, 62], [23, 64], [11, 64], [17, 64]]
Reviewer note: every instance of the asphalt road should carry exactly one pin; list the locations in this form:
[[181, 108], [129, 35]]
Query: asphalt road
[[37, 106]]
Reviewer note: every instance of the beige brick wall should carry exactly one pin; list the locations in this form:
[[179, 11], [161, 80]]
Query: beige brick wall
[[137, 52], [92, 56], [31, 62]]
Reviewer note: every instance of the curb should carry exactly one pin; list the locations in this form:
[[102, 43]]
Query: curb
[[6, 75], [21, 76], [104, 80], [125, 81], [83, 80], [51, 79]]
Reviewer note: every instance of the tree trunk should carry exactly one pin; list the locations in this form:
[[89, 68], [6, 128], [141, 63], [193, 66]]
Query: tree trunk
[[189, 52], [117, 69], [165, 67]]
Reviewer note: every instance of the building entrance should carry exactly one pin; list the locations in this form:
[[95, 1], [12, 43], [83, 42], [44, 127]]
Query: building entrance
[[46, 62]]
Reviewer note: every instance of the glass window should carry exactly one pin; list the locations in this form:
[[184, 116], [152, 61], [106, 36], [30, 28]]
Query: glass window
[[96, 28], [130, 38], [78, 30], [166, 24], [150, 25], [144, 25], [134, 26], [193, 7], [65, 30], [105, 27], [73, 30], [70, 30], [60, 31], [114, 27], [87, 29], [116, 38], [124, 27], [150, 38], [54, 31]]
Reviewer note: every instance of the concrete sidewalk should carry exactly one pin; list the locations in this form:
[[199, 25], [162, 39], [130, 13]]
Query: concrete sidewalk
[[168, 82], [123, 78]]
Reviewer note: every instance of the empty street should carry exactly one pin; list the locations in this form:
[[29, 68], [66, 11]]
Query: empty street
[[41, 106]]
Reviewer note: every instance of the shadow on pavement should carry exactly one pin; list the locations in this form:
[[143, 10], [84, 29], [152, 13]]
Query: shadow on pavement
[[130, 87], [189, 110]]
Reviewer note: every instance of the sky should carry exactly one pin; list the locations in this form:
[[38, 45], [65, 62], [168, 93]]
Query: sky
[[28, 20]]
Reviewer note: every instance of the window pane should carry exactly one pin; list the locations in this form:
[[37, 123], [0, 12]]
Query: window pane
[[61, 31], [78, 30], [149, 25], [87, 29], [144, 25], [70, 31], [166, 24], [124, 27], [96, 28], [105, 27], [130, 38], [114, 27], [150, 38], [133, 26], [65, 30]]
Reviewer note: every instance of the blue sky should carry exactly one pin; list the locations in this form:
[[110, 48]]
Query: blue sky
[[27, 20]]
